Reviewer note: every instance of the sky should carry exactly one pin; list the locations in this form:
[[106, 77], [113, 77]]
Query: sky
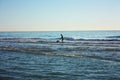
[[59, 15]]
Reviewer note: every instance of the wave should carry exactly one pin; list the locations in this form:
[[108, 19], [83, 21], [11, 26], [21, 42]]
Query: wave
[[56, 50], [113, 37], [110, 38], [71, 39], [50, 40], [22, 40], [75, 52], [50, 52], [67, 49], [74, 42]]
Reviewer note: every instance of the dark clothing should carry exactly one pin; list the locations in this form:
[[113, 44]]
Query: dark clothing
[[57, 41], [62, 38]]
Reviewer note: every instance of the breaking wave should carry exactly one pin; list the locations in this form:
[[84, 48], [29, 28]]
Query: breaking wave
[[81, 39], [48, 40], [113, 37], [111, 54], [90, 48]]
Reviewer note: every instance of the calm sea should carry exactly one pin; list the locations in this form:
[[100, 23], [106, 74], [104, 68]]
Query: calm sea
[[84, 55]]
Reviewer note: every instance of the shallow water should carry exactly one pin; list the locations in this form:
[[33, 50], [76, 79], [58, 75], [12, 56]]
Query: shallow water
[[38, 58], [22, 66]]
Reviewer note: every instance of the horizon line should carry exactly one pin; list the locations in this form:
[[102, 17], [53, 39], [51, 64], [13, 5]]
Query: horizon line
[[54, 30]]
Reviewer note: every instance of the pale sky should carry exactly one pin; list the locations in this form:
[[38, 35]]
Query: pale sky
[[59, 15]]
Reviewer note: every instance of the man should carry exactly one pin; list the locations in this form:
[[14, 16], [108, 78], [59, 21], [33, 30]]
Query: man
[[62, 38]]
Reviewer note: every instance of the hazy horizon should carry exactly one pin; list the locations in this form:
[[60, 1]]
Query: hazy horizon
[[59, 15]]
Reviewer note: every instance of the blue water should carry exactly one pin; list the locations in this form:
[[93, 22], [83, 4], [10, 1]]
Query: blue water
[[84, 55], [56, 34]]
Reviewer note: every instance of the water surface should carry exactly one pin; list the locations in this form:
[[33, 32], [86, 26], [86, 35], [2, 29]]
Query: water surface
[[84, 55]]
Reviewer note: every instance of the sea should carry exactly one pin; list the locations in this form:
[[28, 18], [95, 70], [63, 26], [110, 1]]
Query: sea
[[40, 55]]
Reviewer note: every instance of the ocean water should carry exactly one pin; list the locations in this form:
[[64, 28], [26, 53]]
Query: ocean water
[[84, 55]]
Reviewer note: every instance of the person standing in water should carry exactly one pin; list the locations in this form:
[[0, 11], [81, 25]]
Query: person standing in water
[[62, 38]]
